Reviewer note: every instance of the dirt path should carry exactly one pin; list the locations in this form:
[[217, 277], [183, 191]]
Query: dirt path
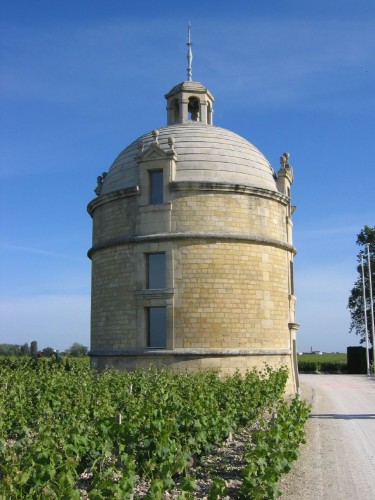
[[338, 461]]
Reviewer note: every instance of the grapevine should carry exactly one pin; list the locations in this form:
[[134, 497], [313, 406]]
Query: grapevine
[[65, 428]]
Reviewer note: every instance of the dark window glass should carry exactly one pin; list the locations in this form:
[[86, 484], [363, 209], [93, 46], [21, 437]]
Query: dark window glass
[[157, 327], [156, 270], [156, 187]]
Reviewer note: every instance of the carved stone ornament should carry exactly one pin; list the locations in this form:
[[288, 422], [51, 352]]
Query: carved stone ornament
[[155, 135], [100, 180]]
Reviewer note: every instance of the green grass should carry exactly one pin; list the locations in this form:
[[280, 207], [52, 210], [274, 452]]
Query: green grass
[[329, 357]]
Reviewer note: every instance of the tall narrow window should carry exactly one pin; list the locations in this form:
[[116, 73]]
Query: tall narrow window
[[156, 187], [291, 278], [156, 270], [157, 327]]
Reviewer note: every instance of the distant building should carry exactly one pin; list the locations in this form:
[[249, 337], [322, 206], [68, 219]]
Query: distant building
[[192, 253]]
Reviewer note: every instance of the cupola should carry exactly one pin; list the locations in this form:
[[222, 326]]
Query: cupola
[[189, 101]]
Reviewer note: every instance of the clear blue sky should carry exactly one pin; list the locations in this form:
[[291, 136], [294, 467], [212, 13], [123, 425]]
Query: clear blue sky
[[82, 79]]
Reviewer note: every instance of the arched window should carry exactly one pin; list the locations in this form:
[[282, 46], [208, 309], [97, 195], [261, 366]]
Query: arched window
[[175, 111], [193, 109]]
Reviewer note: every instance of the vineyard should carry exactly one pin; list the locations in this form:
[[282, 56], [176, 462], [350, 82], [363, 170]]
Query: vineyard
[[68, 432], [324, 363]]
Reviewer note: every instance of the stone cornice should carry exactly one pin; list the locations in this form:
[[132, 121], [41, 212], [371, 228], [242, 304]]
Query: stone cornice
[[248, 237], [228, 188], [190, 352]]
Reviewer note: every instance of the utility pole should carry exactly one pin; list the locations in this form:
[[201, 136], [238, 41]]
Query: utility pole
[[371, 304], [365, 313]]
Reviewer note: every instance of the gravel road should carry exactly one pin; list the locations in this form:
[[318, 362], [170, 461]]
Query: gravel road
[[338, 461]]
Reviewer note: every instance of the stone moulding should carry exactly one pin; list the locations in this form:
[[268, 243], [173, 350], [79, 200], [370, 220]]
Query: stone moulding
[[150, 293], [293, 326], [249, 237], [195, 352], [228, 188]]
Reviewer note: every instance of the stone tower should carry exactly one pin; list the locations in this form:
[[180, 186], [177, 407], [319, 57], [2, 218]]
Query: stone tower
[[192, 253]]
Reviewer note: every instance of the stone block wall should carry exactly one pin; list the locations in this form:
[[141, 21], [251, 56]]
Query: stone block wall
[[115, 219], [113, 312], [229, 213], [224, 295], [230, 295]]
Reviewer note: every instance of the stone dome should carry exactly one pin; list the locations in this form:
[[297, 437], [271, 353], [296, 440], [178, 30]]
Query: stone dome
[[205, 153]]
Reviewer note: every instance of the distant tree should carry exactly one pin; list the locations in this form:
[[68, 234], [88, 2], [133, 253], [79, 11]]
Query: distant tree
[[355, 302], [34, 349], [24, 349], [48, 352], [9, 349], [77, 350]]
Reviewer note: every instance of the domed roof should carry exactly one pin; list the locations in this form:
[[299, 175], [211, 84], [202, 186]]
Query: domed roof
[[188, 86], [205, 153]]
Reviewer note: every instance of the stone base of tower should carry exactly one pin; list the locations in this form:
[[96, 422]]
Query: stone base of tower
[[227, 363]]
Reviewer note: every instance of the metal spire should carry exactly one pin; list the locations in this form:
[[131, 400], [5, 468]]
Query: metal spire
[[189, 57]]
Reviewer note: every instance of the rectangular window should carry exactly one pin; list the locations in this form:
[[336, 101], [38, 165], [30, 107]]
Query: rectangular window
[[156, 270], [156, 187], [157, 327]]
